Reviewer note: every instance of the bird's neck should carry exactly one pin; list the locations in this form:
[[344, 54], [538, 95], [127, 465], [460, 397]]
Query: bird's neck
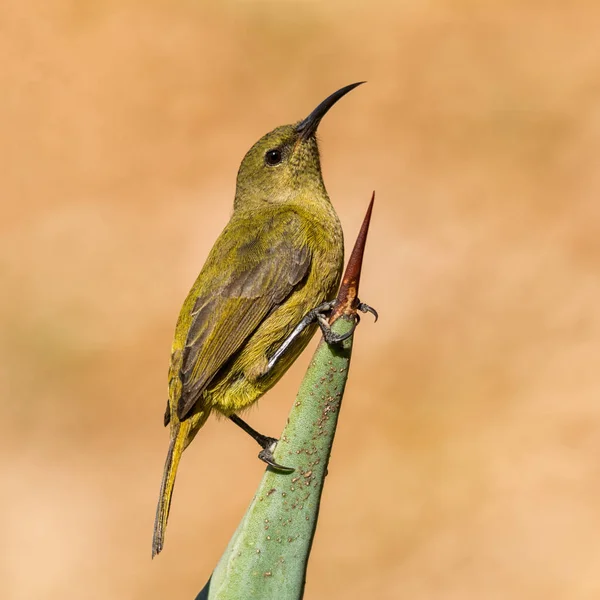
[[306, 197]]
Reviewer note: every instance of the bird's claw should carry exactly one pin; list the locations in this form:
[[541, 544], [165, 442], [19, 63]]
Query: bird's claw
[[336, 338], [266, 455], [365, 308], [330, 336]]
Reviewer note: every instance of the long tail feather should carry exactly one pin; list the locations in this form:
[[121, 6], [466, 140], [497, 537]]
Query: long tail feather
[[176, 448]]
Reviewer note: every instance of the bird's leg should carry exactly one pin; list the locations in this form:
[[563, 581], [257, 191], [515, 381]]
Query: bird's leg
[[319, 314], [266, 443], [316, 314], [309, 319], [262, 440]]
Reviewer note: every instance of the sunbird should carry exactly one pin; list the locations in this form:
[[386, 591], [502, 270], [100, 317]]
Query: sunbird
[[266, 285]]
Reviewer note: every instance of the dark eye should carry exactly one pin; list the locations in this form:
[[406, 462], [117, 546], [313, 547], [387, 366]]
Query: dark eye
[[273, 157]]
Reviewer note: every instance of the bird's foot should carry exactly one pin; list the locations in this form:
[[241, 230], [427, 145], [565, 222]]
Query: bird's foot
[[268, 445], [336, 338], [365, 308], [266, 455]]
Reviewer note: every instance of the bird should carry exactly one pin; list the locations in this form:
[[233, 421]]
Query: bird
[[265, 287]]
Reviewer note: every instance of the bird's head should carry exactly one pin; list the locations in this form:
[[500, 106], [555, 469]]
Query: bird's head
[[285, 161]]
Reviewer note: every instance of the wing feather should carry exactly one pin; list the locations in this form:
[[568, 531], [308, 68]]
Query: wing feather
[[265, 270]]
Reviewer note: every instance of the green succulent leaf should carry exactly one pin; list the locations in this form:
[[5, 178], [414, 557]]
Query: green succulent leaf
[[267, 556]]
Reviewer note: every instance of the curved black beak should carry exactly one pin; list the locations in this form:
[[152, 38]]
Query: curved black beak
[[308, 126]]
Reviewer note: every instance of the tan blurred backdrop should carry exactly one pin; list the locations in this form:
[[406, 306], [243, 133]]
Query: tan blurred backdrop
[[467, 461]]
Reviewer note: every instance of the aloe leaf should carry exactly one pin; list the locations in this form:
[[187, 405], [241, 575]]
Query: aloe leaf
[[267, 557]]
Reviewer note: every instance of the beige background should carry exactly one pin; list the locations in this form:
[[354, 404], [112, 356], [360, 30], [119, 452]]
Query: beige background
[[467, 462]]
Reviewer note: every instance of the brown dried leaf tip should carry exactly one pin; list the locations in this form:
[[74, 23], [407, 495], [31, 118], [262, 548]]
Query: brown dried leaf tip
[[347, 299]]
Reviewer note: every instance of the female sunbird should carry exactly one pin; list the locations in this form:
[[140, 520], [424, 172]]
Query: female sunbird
[[279, 258]]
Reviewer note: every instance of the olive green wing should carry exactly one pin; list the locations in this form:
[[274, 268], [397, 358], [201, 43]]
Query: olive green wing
[[262, 268]]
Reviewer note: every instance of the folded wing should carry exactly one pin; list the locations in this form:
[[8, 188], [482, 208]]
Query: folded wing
[[260, 272]]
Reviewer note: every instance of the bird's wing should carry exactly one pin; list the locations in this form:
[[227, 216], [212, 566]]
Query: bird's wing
[[264, 269]]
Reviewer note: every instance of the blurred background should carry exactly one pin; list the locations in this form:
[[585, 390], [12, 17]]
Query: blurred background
[[467, 460]]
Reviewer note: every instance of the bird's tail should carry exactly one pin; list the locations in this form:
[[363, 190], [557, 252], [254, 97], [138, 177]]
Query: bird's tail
[[178, 442]]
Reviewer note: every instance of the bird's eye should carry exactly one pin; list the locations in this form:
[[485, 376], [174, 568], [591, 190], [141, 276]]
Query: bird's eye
[[273, 157]]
